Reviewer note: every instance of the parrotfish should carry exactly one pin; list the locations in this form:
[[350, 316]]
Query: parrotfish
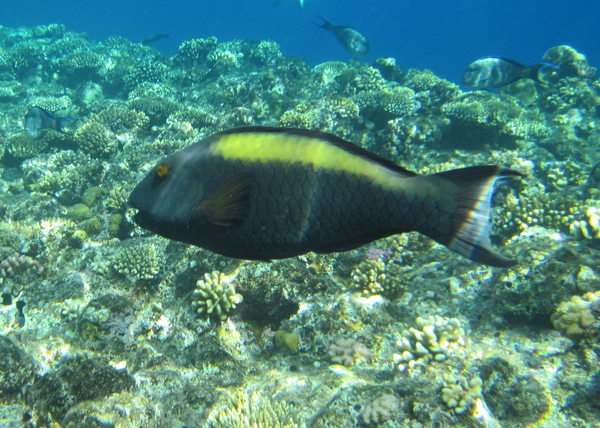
[[349, 38], [264, 193], [154, 38], [494, 72], [39, 121]]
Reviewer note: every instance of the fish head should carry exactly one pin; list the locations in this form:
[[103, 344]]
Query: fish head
[[475, 74], [167, 194]]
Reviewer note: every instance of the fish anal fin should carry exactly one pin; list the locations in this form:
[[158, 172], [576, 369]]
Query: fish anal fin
[[229, 205]]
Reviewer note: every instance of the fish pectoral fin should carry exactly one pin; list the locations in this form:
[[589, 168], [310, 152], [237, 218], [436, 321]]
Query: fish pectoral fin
[[229, 205]]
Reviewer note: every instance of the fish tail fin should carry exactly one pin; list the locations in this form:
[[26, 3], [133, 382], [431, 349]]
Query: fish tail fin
[[58, 121], [326, 25], [469, 210]]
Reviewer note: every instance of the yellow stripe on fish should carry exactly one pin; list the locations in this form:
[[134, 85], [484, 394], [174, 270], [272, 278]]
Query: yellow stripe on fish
[[320, 154]]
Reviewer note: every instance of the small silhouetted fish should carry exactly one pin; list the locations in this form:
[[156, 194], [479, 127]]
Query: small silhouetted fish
[[494, 72], [350, 39], [264, 193], [39, 121], [154, 38]]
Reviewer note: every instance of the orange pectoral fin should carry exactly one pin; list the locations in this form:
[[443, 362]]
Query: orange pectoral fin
[[229, 205]]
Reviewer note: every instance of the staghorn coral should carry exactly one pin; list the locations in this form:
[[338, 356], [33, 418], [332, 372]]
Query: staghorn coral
[[243, 409], [348, 352], [265, 52], [335, 114], [215, 295], [138, 260], [436, 339], [460, 393], [579, 317]]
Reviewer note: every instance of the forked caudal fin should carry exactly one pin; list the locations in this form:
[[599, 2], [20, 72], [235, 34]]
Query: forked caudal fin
[[470, 223]]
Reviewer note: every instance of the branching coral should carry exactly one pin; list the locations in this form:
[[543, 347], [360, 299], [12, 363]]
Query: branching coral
[[348, 352], [241, 409], [380, 410], [140, 260], [459, 393], [579, 317], [436, 339], [215, 295]]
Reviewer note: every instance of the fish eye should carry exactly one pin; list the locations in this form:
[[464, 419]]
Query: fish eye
[[162, 170]]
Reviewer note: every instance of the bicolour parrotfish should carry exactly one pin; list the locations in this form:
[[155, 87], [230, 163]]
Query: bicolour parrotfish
[[349, 38], [265, 193], [494, 72], [38, 121]]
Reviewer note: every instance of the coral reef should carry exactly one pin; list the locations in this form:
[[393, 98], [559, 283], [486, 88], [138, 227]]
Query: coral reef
[[380, 410], [579, 317], [348, 352], [436, 339], [111, 298], [138, 260], [215, 296], [460, 393]]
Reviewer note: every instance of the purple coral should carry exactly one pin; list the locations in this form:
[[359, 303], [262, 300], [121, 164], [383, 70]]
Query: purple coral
[[348, 352], [18, 263], [380, 409]]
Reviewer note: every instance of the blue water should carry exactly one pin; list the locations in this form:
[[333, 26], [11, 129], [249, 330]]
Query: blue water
[[443, 36]]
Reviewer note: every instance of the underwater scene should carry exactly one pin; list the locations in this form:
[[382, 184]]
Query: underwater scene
[[213, 238]]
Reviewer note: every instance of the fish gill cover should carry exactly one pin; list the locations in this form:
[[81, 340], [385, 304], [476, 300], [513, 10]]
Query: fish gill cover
[[103, 323]]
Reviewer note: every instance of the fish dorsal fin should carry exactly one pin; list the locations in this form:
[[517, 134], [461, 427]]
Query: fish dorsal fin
[[229, 205], [329, 138], [511, 61]]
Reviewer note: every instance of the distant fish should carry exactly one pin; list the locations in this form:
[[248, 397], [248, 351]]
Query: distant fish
[[39, 121], [264, 193], [300, 3], [494, 72], [149, 40], [349, 38]]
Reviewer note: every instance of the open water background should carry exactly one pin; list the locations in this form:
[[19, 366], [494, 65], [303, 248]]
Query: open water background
[[443, 36]]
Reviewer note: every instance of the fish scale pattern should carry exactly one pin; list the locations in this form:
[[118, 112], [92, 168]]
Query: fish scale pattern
[[295, 208]]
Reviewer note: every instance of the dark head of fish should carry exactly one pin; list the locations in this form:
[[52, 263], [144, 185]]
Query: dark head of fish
[[154, 195]]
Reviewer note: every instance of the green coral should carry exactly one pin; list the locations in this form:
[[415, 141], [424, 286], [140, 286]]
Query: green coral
[[157, 108], [215, 295], [79, 212], [114, 224], [91, 194]]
